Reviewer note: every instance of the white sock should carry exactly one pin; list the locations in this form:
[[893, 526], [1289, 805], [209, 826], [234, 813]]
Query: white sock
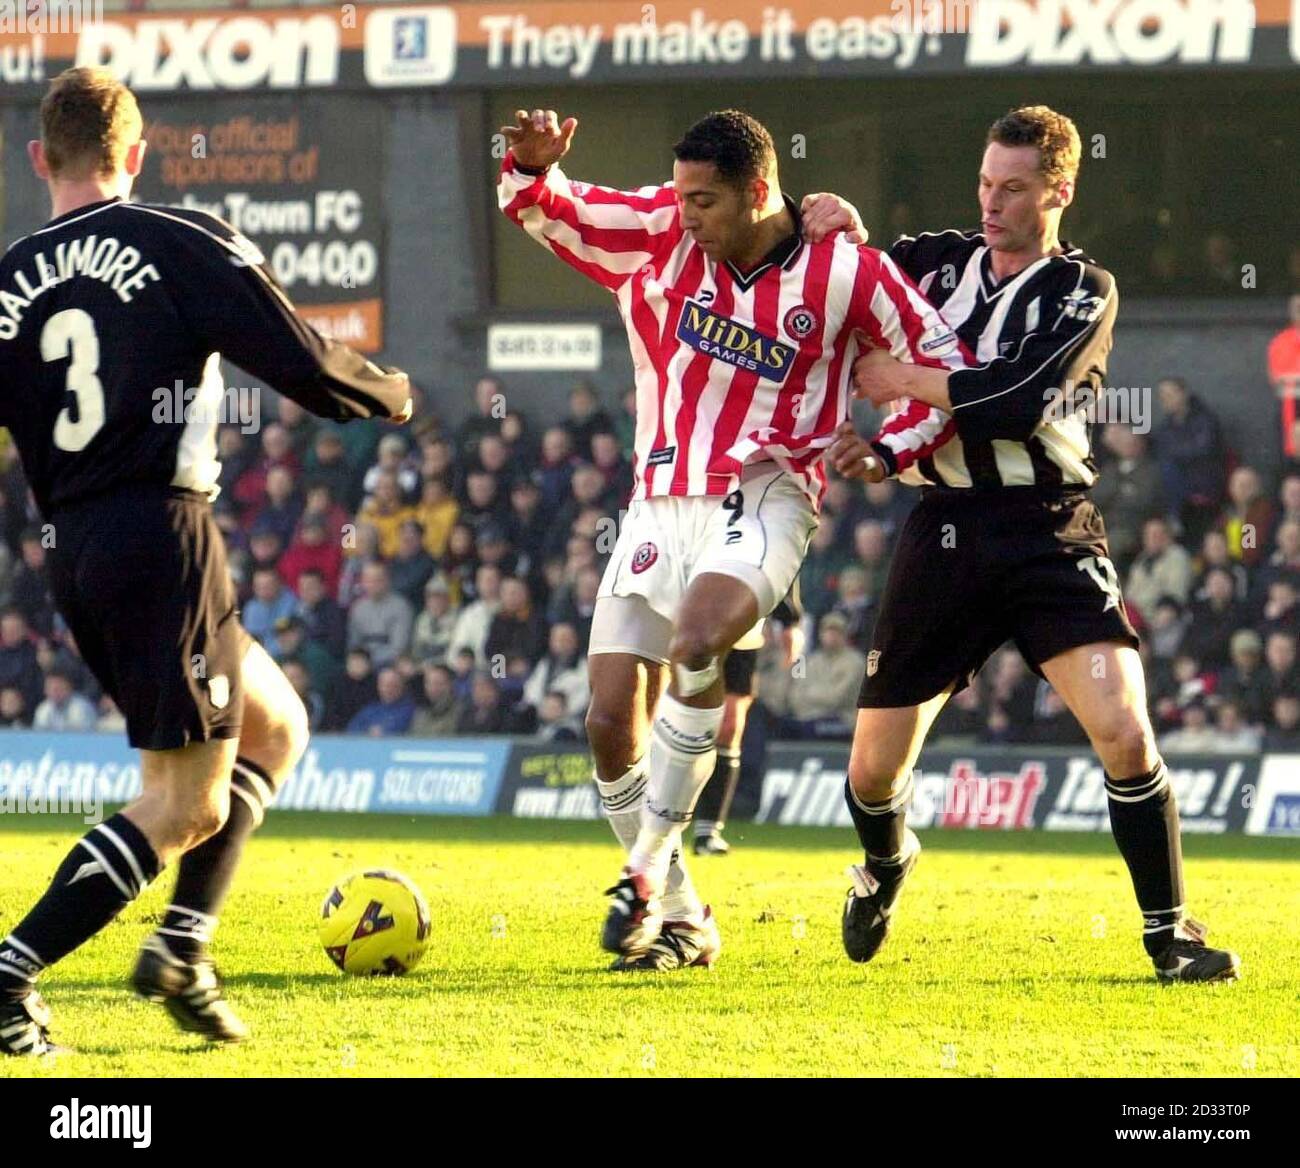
[[681, 755], [622, 800], [680, 900]]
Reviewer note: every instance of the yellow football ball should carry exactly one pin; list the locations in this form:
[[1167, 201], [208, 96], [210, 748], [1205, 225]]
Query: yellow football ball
[[375, 922]]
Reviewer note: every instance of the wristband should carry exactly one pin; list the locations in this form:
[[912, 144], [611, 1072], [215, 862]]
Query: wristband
[[533, 171]]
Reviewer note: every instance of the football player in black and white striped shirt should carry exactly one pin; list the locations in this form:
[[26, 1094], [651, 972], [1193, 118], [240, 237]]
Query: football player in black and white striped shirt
[[1006, 543]]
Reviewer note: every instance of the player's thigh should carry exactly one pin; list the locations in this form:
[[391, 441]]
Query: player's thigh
[[1062, 591], [142, 580], [887, 742], [717, 611], [1103, 685], [275, 721], [744, 558], [647, 563], [937, 622]]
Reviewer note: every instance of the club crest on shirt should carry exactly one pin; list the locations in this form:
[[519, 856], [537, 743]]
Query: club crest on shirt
[[643, 557], [800, 322], [737, 344]]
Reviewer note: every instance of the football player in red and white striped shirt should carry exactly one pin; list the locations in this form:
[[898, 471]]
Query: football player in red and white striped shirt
[[743, 334]]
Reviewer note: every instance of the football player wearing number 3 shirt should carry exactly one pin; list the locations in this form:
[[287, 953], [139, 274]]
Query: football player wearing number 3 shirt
[[104, 313], [1006, 543], [743, 330]]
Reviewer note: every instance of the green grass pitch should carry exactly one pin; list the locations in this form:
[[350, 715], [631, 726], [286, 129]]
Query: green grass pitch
[[1013, 954]]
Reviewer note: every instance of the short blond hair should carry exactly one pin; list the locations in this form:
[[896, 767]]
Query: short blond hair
[[1052, 134], [89, 120]]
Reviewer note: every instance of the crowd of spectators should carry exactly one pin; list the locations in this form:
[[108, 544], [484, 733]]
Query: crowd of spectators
[[433, 580], [1208, 555]]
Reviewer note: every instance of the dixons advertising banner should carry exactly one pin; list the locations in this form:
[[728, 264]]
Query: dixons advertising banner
[[575, 41], [302, 178]]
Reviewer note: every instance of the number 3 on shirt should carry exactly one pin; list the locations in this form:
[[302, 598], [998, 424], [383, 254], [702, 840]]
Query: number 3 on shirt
[[71, 333]]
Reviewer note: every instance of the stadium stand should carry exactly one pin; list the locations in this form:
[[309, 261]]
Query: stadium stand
[[428, 581]]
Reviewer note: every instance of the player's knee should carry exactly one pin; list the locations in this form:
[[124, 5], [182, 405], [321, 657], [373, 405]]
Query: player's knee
[[199, 819], [875, 773], [874, 784], [696, 645], [1125, 744]]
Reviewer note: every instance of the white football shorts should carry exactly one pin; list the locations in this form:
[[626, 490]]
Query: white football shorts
[[758, 534]]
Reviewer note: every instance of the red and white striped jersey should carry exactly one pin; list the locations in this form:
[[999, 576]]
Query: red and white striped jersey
[[731, 367]]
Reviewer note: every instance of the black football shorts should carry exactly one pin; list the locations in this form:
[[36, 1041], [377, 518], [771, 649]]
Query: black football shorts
[[975, 569], [738, 672], [141, 578]]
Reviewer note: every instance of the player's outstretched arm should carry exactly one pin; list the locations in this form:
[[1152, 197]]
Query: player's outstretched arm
[[537, 140], [1009, 396], [235, 305], [904, 332], [605, 234]]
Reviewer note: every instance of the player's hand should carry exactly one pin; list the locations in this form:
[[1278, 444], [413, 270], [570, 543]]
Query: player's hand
[[879, 378], [538, 139], [851, 456], [825, 213]]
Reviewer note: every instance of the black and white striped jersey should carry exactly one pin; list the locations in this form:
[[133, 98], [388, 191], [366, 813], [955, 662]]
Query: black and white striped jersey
[[113, 319], [1039, 338]]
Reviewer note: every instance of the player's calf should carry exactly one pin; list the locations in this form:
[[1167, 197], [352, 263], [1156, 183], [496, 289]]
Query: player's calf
[[681, 760], [206, 872], [173, 967], [273, 737], [681, 757], [890, 855], [1144, 821], [104, 872]]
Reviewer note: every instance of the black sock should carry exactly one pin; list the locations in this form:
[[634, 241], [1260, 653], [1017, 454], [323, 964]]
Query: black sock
[[107, 869], [1144, 820], [206, 872], [880, 825], [715, 801]]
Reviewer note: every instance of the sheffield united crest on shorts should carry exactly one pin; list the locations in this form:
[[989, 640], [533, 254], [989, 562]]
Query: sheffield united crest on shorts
[[800, 321], [873, 662], [643, 557]]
